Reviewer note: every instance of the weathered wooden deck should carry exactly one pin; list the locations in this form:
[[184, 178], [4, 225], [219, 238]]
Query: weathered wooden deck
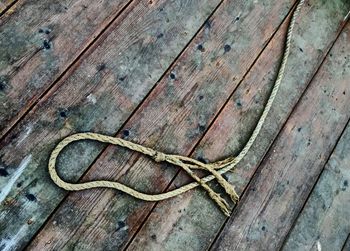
[[186, 77]]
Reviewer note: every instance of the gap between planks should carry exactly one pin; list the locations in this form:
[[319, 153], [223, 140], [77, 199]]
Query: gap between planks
[[274, 140], [326, 52], [314, 185], [273, 33], [5, 8], [192, 31], [126, 121], [329, 152], [211, 124], [346, 246], [15, 120]]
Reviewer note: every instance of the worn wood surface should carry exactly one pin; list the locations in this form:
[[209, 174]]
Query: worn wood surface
[[5, 5], [188, 77], [346, 245], [324, 220], [99, 95], [193, 214], [39, 40], [282, 183], [193, 100]]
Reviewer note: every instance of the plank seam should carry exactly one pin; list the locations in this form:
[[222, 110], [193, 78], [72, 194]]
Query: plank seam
[[347, 239], [214, 119], [95, 41], [314, 185], [8, 7], [346, 19], [280, 131], [127, 120]]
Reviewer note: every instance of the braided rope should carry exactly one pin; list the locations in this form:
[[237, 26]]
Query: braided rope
[[187, 164]]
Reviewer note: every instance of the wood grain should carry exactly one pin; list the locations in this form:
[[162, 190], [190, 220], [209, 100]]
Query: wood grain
[[39, 41], [98, 94], [192, 220], [323, 222], [5, 4], [172, 119], [283, 182]]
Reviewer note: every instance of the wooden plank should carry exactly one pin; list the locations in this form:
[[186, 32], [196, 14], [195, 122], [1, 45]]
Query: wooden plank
[[346, 246], [46, 38], [100, 93], [192, 220], [324, 223], [283, 182], [5, 4], [173, 119]]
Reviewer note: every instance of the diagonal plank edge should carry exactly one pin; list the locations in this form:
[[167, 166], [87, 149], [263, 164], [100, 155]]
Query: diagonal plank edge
[[5, 6], [46, 39], [190, 220], [100, 93], [346, 245], [322, 221], [286, 176], [173, 117], [276, 37]]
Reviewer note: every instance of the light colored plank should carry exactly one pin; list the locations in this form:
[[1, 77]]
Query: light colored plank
[[173, 119], [101, 92], [324, 222], [282, 183], [39, 40], [4, 4], [192, 220]]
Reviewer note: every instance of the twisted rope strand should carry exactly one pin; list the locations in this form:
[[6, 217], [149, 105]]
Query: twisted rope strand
[[187, 164]]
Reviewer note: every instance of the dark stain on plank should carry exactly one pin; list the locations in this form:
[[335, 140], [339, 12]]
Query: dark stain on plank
[[227, 48], [174, 138], [201, 227], [30, 197], [300, 165], [3, 172], [105, 111], [201, 48], [35, 55]]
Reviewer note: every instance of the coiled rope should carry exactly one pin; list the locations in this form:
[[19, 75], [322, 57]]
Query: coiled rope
[[216, 169]]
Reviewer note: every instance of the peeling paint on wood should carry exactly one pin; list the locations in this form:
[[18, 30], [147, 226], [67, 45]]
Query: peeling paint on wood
[[10, 243], [5, 190]]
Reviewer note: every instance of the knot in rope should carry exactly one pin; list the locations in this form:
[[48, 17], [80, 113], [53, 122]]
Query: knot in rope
[[159, 156], [216, 169]]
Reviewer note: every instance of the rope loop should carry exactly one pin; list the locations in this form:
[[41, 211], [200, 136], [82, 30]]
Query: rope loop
[[189, 165]]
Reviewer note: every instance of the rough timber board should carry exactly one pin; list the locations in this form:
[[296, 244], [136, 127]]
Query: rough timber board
[[4, 4], [98, 94], [173, 119], [324, 221], [38, 41], [191, 220], [288, 173]]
